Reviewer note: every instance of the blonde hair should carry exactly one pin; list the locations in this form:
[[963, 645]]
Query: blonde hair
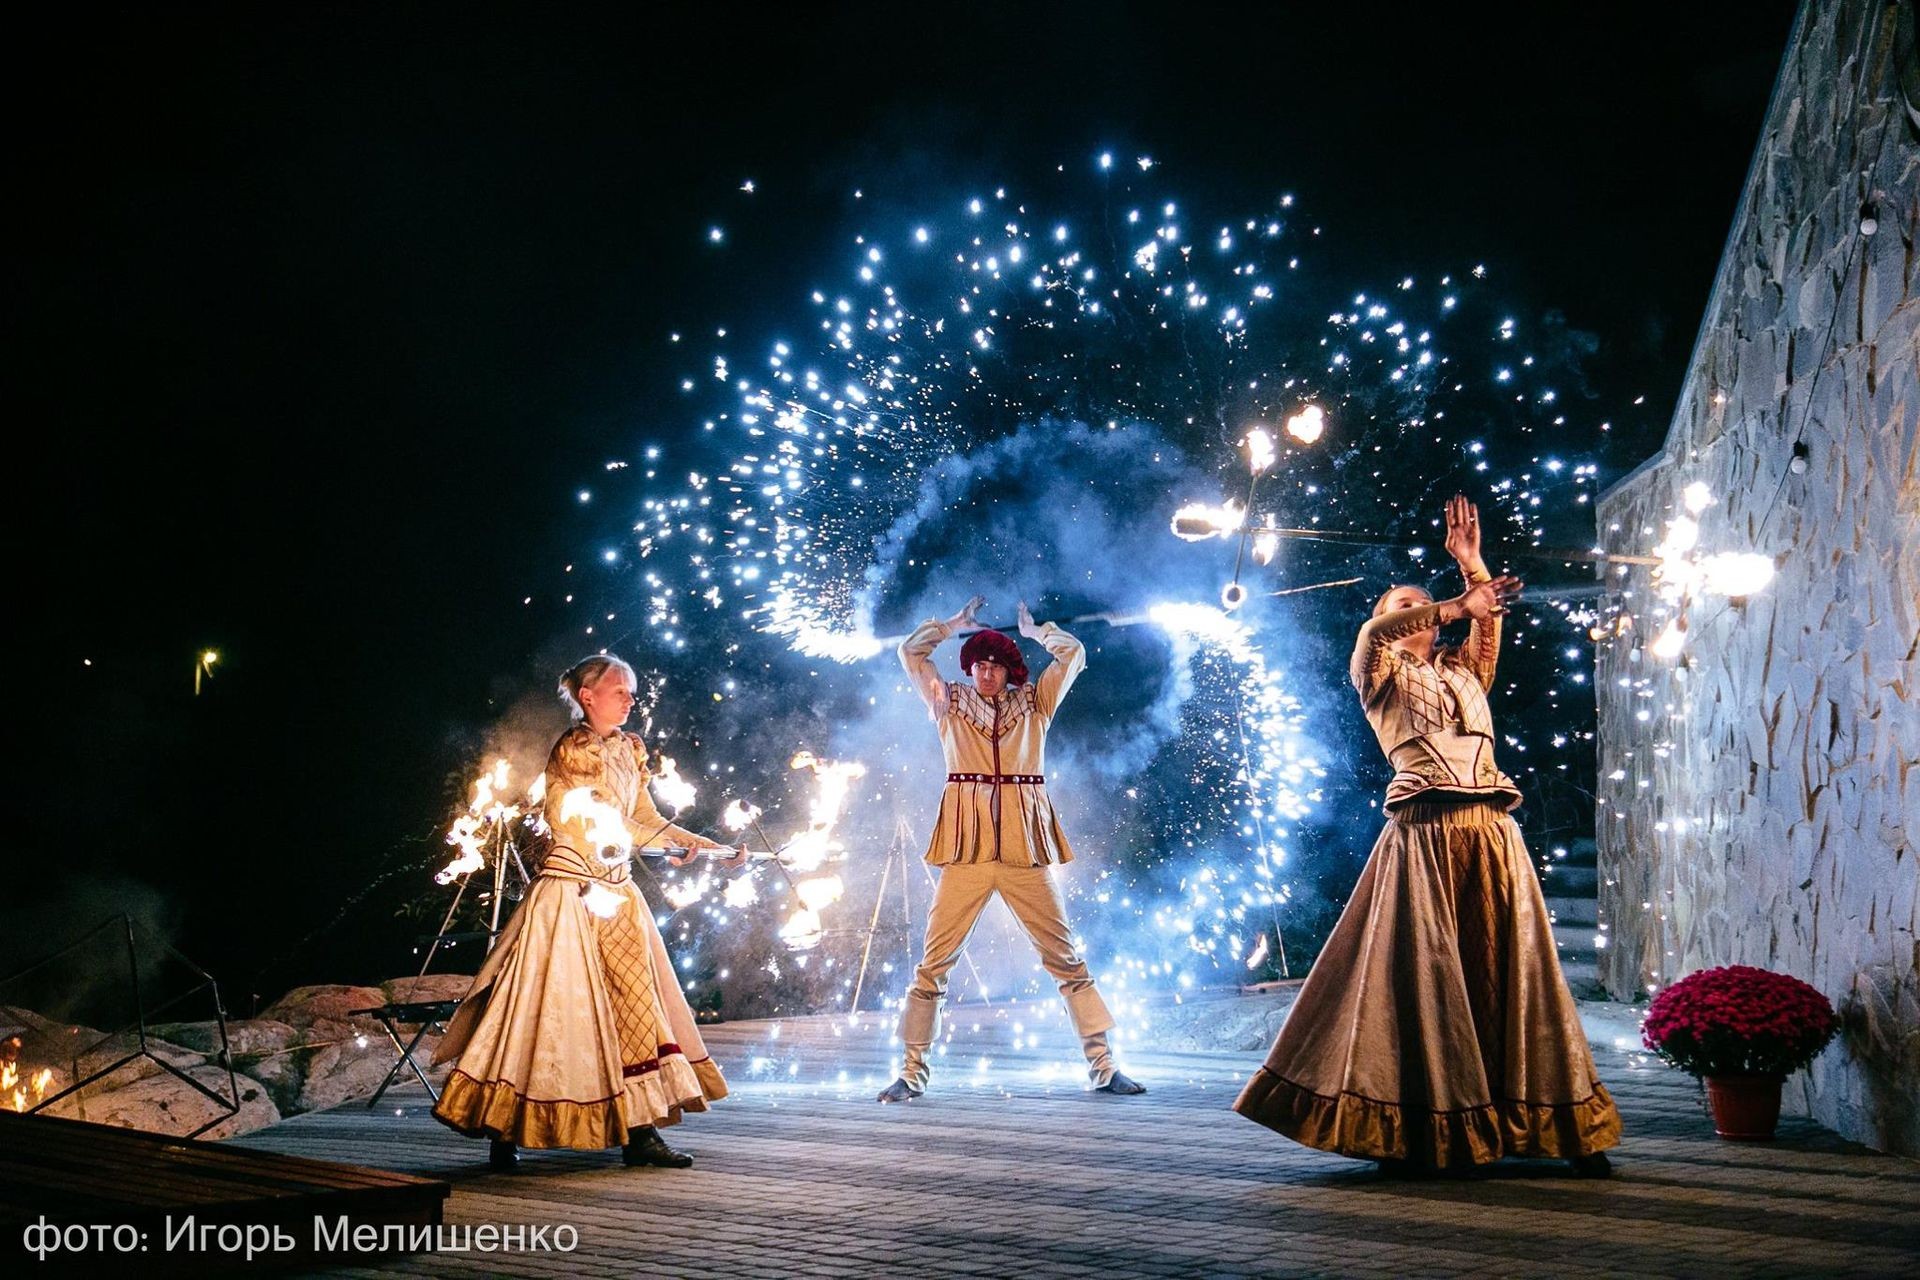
[[1381, 603], [586, 672]]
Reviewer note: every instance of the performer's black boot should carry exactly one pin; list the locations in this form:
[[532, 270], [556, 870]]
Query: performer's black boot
[[645, 1146], [1404, 1170], [1122, 1084], [1595, 1165], [502, 1157], [899, 1091]]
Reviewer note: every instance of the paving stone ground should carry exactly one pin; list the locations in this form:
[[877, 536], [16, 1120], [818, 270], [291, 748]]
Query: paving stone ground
[[1012, 1169]]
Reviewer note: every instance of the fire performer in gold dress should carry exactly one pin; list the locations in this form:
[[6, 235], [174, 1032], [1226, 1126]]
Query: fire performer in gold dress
[[997, 832], [575, 1032], [1436, 1030]]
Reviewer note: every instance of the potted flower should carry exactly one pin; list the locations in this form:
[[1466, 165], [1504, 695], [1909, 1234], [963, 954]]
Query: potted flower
[[1742, 1030]]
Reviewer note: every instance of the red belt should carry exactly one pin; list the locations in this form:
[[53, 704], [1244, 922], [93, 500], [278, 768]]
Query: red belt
[[1018, 779]]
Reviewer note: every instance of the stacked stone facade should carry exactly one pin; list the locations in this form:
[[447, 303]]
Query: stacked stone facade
[[1760, 798]]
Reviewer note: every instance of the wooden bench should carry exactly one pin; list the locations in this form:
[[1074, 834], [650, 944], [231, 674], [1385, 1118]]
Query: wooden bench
[[71, 1172]]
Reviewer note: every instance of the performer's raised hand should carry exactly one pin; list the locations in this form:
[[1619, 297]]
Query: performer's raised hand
[[736, 860], [1028, 627], [1489, 599], [968, 619], [1463, 534]]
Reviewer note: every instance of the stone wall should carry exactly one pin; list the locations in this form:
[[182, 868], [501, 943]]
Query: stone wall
[[1760, 794]]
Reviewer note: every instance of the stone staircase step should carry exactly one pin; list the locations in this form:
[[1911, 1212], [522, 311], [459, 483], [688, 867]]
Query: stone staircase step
[[1575, 939], [1575, 911], [1572, 881], [1583, 978]]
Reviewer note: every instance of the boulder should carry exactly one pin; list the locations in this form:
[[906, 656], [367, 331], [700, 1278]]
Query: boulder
[[77, 1051], [304, 1007], [337, 1073], [432, 986], [283, 1074], [162, 1103], [251, 1037], [324, 1015]]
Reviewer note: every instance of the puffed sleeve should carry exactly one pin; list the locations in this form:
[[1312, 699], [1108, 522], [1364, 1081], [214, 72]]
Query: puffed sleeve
[[575, 762], [1069, 660], [916, 655], [1372, 659]]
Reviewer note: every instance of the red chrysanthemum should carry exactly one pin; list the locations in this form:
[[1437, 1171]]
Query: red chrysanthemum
[[1739, 1020]]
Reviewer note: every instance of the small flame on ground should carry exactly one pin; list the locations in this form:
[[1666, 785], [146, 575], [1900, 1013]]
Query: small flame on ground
[[21, 1089]]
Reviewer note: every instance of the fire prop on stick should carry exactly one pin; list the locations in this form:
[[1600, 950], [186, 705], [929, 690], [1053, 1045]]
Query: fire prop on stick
[[1680, 573], [486, 819], [740, 816], [810, 848], [489, 824], [606, 830]]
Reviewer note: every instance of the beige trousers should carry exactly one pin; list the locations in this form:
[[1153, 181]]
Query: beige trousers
[[1033, 897]]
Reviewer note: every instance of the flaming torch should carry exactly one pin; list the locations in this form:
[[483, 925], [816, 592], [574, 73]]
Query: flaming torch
[[488, 821], [1681, 574], [672, 790], [810, 848], [1196, 522], [606, 829]]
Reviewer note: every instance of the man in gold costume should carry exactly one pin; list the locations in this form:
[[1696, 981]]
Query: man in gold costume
[[997, 832]]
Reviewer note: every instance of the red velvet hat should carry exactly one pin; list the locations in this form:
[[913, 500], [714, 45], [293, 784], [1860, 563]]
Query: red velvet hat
[[994, 646]]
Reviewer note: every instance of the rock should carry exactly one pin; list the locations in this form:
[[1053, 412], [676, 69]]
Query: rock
[[163, 1103], [349, 1070], [116, 1047], [247, 1038], [303, 1007], [432, 986], [283, 1075], [1811, 874]]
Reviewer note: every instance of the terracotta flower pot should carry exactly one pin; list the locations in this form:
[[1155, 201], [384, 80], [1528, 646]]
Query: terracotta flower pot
[[1745, 1108]]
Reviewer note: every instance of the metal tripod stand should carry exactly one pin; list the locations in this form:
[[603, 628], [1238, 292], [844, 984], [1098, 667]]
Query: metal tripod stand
[[898, 853]]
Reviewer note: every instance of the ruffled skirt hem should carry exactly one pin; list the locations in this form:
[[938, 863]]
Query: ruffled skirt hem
[[497, 1109], [1370, 1129]]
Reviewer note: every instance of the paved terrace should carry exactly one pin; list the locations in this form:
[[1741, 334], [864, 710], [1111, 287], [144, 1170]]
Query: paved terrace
[[1014, 1170]]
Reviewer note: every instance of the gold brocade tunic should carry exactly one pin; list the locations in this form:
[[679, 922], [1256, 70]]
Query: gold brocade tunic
[[995, 807], [1431, 718]]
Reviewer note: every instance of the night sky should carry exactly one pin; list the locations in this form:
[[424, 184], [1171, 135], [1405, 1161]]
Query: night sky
[[323, 315]]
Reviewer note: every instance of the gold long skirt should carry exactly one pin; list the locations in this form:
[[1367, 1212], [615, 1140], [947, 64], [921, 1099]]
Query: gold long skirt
[[1436, 1026], [575, 1030]]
